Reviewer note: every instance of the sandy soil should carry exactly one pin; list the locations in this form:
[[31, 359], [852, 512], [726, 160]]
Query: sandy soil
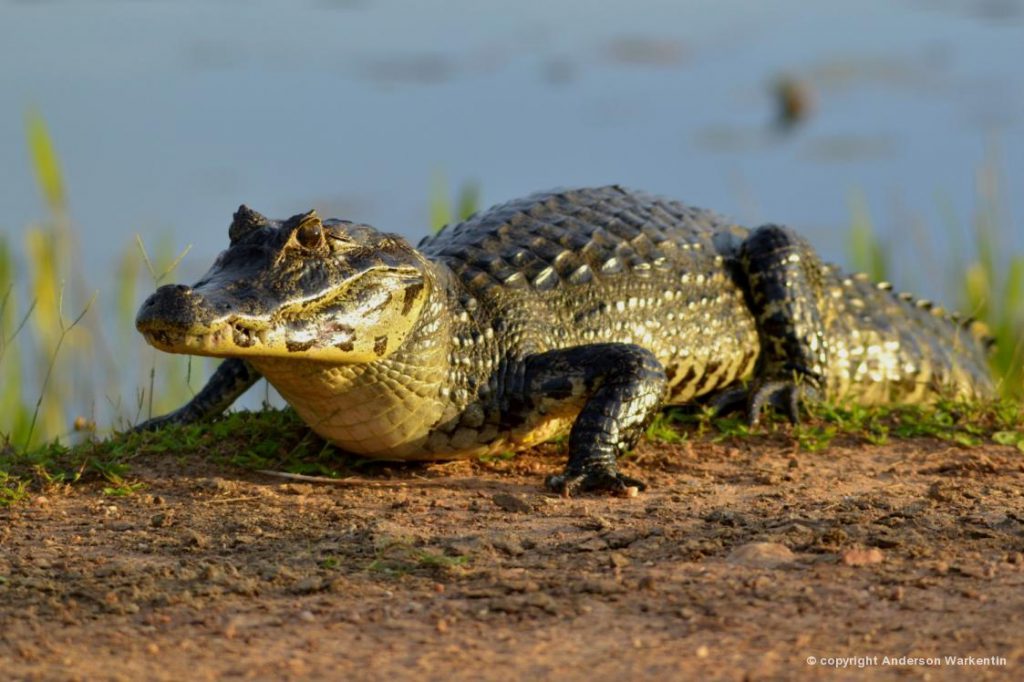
[[746, 559]]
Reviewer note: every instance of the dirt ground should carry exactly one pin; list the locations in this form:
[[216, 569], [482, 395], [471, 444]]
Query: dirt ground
[[746, 559]]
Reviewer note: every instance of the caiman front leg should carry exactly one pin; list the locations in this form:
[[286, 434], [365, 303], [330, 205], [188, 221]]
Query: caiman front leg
[[619, 388], [782, 279], [232, 378]]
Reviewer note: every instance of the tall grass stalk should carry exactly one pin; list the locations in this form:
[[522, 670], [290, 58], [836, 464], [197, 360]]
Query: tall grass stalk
[[63, 334], [175, 381], [443, 209], [993, 287], [12, 403], [49, 246], [52, 371], [866, 252]]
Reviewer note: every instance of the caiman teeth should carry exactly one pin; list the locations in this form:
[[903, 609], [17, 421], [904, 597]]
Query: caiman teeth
[[243, 336], [159, 338], [235, 336], [172, 340]]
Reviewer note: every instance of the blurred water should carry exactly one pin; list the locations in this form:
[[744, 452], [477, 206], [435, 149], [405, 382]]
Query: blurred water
[[167, 115]]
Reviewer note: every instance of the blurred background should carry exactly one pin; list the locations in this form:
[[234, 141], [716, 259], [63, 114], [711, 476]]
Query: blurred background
[[889, 132]]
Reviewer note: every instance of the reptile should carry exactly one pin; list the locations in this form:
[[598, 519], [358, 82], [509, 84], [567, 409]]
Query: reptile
[[578, 312]]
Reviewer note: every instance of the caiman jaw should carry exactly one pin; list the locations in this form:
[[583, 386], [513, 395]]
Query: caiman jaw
[[178, 319], [225, 339]]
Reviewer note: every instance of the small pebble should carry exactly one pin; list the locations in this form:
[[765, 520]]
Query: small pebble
[[512, 503], [195, 539], [863, 557], [308, 585], [761, 554], [231, 627]]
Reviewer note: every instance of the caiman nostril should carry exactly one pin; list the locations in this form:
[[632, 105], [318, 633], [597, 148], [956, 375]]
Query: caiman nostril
[[173, 306]]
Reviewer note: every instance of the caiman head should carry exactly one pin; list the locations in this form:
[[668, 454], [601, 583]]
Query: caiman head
[[299, 288]]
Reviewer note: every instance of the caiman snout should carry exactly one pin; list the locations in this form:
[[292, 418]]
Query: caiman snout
[[179, 319], [173, 307]]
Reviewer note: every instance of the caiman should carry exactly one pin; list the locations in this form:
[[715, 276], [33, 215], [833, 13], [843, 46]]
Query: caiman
[[579, 311]]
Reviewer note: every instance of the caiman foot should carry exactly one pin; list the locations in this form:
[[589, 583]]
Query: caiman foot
[[784, 395], [596, 480], [619, 386]]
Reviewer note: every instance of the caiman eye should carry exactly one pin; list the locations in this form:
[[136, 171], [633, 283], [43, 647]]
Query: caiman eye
[[310, 234]]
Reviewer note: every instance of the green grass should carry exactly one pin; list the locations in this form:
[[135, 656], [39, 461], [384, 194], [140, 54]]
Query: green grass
[[278, 440], [965, 424], [13, 488], [401, 559], [270, 439], [663, 428]]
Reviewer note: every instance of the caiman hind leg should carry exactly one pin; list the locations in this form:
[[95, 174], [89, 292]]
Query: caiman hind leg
[[232, 378], [782, 280], [619, 388]]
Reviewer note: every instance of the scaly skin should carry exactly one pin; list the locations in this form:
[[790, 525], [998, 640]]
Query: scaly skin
[[579, 311]]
